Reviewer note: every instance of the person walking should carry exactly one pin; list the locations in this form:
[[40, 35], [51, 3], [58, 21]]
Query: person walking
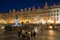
[[19, 33]]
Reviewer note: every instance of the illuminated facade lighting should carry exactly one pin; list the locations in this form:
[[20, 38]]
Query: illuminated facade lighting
[[49, 15]]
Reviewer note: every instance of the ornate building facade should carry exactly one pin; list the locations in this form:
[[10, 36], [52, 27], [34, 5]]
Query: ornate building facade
[[47, 14]]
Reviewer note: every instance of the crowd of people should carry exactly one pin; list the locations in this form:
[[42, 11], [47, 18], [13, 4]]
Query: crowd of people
[[26, 35]]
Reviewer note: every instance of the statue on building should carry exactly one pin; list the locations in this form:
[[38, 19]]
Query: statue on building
[[16, 21]]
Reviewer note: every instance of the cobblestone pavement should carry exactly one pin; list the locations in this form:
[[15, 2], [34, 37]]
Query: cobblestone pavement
[[44, 35], [9, 36]]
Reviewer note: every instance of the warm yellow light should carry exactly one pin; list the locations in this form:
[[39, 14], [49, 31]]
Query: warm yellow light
[[50, 27], [11, 21], [36, 29], [0, 20], [50, 21], [24, 21], [51, 32], [2, 27], [5, 22], [43, 21], [57, 22]]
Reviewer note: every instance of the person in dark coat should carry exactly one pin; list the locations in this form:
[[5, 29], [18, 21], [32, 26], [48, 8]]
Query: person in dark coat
[[19, 33], [27, 36], [34, 34]]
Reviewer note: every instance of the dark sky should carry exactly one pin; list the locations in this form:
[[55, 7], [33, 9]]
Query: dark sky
[[6, 5]]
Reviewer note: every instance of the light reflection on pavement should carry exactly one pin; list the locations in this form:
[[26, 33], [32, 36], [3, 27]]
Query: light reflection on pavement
[[44, 35]]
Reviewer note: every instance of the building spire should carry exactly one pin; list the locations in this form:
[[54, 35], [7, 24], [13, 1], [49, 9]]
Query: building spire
[[33, 9], [38, 7], [46, 5], [54, 5], [9, 11]]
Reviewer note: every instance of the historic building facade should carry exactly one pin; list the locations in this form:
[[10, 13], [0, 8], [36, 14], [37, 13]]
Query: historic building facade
[[47, 14]]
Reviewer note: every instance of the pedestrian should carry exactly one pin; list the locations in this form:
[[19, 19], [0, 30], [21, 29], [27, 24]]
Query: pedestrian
[[19, 33], [34, 34], [31, 34], [23, 34], [27, 36]]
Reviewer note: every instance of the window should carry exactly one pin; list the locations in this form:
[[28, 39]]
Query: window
[[54, 10], [51, 14], [48, 14], [51, 11], [41, 15], [54, 14], [57, 18], [57, 10], [57, 14]]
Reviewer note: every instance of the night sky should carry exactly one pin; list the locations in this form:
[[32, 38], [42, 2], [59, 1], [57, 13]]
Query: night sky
[[6, 5]]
